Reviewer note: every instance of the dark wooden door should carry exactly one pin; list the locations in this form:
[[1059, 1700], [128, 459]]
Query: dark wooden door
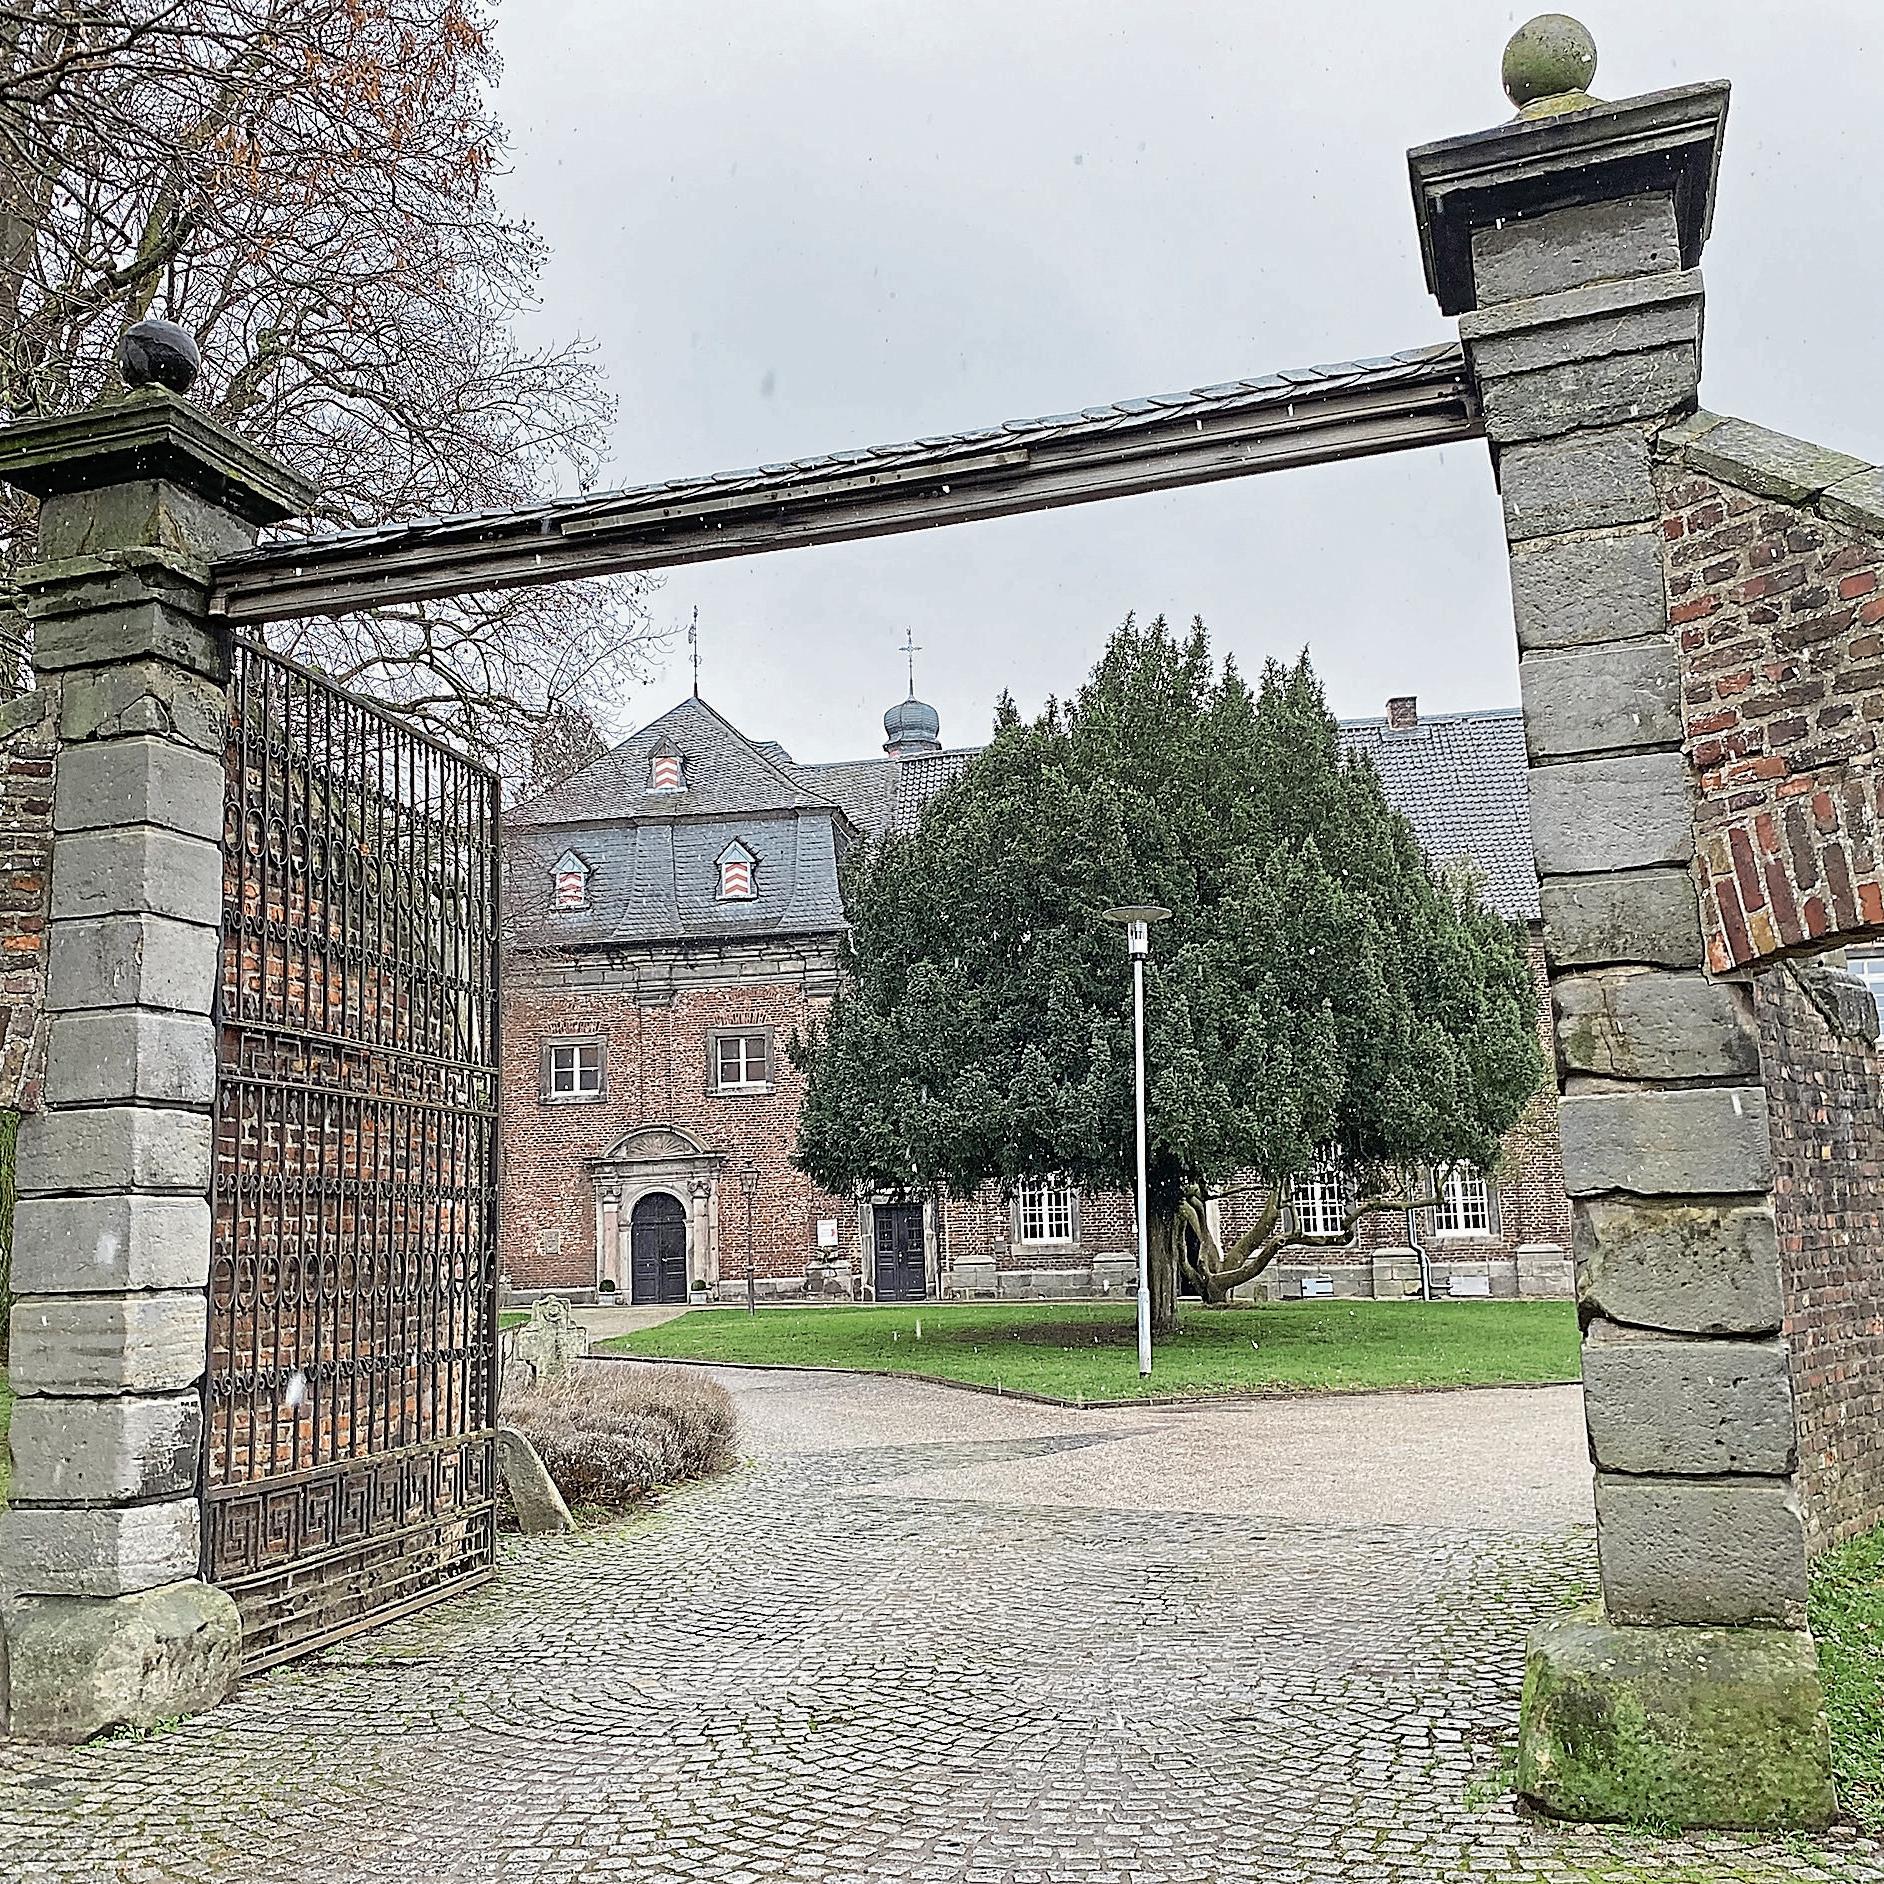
[[657, 1250], [902, 1275]]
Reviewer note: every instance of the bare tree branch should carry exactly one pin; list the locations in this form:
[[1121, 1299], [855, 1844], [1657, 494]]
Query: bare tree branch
[[308, 186]]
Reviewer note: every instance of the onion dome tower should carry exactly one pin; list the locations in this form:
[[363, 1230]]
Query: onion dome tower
[[912, 729]]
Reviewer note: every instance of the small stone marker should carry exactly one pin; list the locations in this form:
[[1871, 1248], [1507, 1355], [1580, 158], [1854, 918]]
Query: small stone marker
[[547, 1342], [539, 1506]]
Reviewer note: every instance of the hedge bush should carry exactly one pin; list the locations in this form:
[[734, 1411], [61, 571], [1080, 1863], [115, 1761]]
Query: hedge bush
[[612, 1432]]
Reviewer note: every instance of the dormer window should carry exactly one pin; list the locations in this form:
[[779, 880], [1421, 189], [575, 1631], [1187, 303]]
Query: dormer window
[[738, 873], [570, 882], [667, 771]]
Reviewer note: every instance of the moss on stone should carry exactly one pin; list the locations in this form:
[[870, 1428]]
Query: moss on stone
[[1675, 1727]]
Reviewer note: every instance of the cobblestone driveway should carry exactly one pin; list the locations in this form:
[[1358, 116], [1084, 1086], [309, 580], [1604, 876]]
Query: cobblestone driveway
[[931, 1636]]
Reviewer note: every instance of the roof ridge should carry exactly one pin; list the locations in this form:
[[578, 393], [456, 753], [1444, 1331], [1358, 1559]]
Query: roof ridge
[[764, 758]]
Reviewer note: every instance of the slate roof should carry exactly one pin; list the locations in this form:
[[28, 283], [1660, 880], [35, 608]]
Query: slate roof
[[1459, 780], [885, 794], [1411, 368], [725, 771], [656, 880]]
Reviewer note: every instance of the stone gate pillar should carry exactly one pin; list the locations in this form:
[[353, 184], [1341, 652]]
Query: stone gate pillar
[[102, 1617], [1568, 244]]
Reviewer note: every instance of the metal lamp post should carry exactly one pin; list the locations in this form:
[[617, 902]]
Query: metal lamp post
[[749, 1184], [1137, 919]]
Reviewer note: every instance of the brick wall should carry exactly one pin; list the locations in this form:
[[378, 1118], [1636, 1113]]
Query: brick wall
[[1781, 621], [1827, 1119], [657, 1072], [28, 742], [657, 1046]]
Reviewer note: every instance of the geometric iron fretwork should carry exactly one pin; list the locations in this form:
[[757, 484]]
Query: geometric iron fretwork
[[350, 1396]]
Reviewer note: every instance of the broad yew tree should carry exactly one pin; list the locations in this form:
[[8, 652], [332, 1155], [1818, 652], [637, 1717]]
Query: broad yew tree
[[1321, 987]]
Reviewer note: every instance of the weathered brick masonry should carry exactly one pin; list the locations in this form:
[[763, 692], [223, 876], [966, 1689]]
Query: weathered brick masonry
[[658, 1070], [1773, 550], [1773, 557], [1825, 1107], [28, 742]]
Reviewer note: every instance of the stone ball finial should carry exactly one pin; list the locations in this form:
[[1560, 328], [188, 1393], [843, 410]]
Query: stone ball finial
[[159, 353], [1548, 57]]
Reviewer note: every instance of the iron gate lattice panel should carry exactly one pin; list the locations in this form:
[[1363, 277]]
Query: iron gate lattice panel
[[350, 1397]]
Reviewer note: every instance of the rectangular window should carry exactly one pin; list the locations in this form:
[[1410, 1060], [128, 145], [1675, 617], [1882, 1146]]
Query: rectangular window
[[1321, 1198], [742, 1062], [572, 1069], [1043, 1213], [1464, 1205]]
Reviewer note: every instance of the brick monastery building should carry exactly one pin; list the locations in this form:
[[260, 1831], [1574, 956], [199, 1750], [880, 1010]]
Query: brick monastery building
[[672, 915]]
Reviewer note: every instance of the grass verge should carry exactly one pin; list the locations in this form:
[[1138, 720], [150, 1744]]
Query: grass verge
[[1847, 1614], [1088, 1351]]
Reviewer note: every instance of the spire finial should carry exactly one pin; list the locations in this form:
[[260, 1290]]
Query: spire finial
[[1549, 62], [911, 648], [693, 642]]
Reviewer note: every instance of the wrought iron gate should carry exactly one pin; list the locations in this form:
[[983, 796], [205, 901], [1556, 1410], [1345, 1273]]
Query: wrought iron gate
[[351, 1387]]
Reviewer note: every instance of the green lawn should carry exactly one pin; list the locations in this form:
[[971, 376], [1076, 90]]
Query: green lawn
[[1087, 1351], [1847, 1615]]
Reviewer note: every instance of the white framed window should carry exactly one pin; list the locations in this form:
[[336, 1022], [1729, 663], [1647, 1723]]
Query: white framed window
[[1044, 1213], [1464, 1207], [574, 1069], [739, 873], [1868, 966], [1320, 1199], [742, 1062], [569, 882]]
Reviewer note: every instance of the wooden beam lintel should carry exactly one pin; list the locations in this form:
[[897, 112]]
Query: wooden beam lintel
[[294, 581]]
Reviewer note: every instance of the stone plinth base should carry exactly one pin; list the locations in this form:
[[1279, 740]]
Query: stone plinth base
[[1396, 1275], [1675, 1726], [76, 1667], [973, 1278]]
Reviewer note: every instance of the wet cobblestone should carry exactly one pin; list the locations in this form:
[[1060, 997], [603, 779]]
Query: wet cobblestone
[[818, 1670]]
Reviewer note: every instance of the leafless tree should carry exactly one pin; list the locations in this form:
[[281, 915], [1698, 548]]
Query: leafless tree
[[309, 187]]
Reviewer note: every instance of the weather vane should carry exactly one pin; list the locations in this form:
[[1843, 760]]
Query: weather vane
[[693, 642], [911, 648]]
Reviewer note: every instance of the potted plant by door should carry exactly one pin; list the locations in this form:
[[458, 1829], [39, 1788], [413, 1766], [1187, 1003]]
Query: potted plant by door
[[605, 1292]]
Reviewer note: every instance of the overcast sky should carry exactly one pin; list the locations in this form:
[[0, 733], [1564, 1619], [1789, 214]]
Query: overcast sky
[[793, 226]]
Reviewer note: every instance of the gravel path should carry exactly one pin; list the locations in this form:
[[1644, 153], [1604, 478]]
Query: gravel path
[[927, 1635]]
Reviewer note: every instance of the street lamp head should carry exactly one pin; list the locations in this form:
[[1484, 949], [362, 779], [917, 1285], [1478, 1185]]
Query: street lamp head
[[749, 1178], [1137, 918]]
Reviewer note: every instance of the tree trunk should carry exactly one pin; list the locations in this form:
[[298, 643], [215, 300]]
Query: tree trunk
[[1165, 1232]]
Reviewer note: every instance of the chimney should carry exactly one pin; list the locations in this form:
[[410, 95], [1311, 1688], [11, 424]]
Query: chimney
[[1403, 712]]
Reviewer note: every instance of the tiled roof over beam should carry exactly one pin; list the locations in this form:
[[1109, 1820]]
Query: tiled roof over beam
[[1313, 415]]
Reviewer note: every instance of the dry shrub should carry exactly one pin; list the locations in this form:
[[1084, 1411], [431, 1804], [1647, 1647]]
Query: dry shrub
[[611, 1432]]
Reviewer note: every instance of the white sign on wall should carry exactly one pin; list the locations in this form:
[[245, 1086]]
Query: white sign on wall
[[1318, 1285], [827, 1233]]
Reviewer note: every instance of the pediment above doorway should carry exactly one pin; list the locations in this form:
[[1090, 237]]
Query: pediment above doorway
[[659, 1144]]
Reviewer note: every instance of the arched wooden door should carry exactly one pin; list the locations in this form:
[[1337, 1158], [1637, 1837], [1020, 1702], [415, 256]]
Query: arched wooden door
[[657, 1250]]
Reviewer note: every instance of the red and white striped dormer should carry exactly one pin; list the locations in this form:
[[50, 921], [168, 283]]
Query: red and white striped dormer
[[738, 873], [667, 769], [570, 882]]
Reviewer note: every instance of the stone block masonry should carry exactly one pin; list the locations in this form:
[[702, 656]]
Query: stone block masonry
[[111, 804], [1577, 283]]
